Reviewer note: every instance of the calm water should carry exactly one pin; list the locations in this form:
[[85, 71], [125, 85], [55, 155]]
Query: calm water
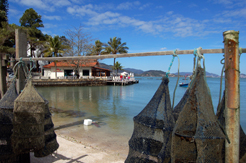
[[115, 106]]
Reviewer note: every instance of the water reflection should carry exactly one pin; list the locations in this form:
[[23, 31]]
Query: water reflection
[[115, 106]]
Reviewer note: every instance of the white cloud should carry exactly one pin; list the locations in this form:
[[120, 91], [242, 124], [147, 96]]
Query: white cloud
[[164, 48], [127, 5], [52, 17], [13, 11], [61, 3], [169, 12], [35, 3], [179, 25], [224, 2], [144, 6], [236, 13], [48, 25], [192, 5], [82, 11], [47, 5]]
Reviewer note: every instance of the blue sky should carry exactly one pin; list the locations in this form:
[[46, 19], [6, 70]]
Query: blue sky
[[146, 26]]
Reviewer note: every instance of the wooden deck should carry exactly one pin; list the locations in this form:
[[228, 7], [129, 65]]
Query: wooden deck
[[123, 82]]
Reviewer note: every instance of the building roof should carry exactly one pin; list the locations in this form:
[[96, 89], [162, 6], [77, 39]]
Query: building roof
[[88, 63], [102, 69]]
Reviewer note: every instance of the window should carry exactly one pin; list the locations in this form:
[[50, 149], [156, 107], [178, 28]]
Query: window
[[86, 72]]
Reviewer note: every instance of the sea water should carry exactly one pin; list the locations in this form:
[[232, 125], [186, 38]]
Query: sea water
[[113, 107]]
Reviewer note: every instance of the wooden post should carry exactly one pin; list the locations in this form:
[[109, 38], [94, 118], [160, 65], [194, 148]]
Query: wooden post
[[21, 51], [3, 74], [232, 96]]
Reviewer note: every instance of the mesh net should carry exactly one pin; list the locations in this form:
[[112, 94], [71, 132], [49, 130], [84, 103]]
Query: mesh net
[[50, 137], [177, 109], [197, 136], [6, 125], [28, 122], [151, 138], [221, 118]]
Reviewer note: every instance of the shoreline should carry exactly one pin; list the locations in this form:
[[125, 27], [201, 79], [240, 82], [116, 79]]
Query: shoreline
[[73, 149]]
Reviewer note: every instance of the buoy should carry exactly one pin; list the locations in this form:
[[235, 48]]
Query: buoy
[[87, 122]]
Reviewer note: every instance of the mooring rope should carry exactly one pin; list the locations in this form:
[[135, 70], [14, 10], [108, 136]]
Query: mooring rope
[[168, 72], [221, 77], [22, 64]]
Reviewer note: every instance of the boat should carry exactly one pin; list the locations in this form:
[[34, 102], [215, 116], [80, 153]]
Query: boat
[[184, 84]]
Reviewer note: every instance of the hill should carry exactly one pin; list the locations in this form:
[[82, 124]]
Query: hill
[[152, 73], [208, 74], [156, 73], [132, 70]]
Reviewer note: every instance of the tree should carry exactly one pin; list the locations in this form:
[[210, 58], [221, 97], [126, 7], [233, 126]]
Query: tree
[[117, 67], [31, 21], [97, 48], [79, 42], [115, 46], [7, 38], [55, 48], [4, 7]]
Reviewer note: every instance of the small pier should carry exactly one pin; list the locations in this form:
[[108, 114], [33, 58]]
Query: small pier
[[122, 82], [68, 82]]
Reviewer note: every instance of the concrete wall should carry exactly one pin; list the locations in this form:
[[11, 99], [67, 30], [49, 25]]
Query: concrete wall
[[60, 71]]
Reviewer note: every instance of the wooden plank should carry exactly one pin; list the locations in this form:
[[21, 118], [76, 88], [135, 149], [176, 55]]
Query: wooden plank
[[124, 55]]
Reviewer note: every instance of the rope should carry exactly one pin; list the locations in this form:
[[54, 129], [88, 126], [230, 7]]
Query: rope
[[174, 55], [197, 52], [240, 50], [22, 64], [221, 77], [200, 56]]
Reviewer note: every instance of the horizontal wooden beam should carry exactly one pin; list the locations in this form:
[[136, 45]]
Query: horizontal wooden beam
[[124, 55]]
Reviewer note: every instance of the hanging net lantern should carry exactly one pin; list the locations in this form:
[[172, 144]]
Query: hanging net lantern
[[151, 138], [6, 125], [51, 144], [221, 118], [28, 122], [177, 109], [197, 136]]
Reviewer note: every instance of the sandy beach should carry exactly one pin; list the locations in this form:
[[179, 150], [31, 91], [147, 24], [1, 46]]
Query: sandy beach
[[74, 150]]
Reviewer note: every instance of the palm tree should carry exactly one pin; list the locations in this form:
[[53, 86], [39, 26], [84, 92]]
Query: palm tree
[[115, 46], [117, 66], [97, 48], [54, 48]]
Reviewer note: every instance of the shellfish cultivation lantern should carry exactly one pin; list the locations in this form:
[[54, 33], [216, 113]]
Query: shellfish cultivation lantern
[[6, 125], [31, 123], [151, 138], [197, 135], [50, 137]]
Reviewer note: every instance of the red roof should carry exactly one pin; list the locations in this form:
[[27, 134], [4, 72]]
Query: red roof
[[90, 63]]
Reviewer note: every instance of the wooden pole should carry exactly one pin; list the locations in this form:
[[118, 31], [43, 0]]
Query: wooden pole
[[21, 51], [124, 55], [3, 74], [232, 96]]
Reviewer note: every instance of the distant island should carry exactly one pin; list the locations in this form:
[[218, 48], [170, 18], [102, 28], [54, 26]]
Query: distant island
[[159, 73]]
